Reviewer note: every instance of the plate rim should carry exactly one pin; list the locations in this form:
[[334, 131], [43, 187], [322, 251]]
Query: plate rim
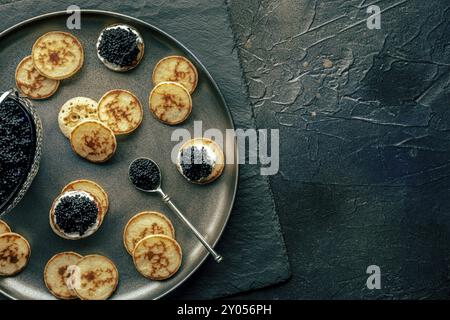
[[53, 14]]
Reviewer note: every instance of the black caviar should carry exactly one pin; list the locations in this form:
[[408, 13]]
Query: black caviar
[[119, 46], [144, 174], [196, 163], [17, 147], [76, 213]]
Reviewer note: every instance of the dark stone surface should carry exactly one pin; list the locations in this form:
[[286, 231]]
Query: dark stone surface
[[364, 123], [253, 233]]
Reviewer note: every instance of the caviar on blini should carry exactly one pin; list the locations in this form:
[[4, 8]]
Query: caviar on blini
[[119, 46], [76, 213], [195, 163]]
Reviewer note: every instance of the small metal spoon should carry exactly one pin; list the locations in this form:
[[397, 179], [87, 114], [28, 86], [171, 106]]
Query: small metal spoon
[[169, 203]]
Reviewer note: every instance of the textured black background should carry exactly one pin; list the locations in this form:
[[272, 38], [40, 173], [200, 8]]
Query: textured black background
[[364, 118], [364, 123]]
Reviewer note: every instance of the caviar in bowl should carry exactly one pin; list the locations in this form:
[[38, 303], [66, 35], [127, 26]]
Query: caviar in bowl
[[21, 147]]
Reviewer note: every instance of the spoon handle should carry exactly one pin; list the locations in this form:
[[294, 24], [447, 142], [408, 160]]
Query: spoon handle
[[169, 203]]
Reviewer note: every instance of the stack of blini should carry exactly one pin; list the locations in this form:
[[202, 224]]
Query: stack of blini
[[92, 126], [149, 237], [68, 275], [175, 79], [15, 251], [55, 56]]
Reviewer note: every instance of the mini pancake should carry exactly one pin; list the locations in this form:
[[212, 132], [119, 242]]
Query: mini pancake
[[57, 55], [58, 230], [93, 188], [4, 228], [170, 103], [98, 278], [157, 257], [57, 274], [176, 69], [121, 111], [31, 83], [144, 224], [93, 141], [75, 111], [15, 252], [215, 159]]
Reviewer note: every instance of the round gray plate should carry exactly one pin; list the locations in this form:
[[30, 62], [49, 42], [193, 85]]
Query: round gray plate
[[208, 207]]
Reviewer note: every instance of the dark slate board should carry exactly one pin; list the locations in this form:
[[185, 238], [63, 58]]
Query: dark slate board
[[253, 233], [364, 170]]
